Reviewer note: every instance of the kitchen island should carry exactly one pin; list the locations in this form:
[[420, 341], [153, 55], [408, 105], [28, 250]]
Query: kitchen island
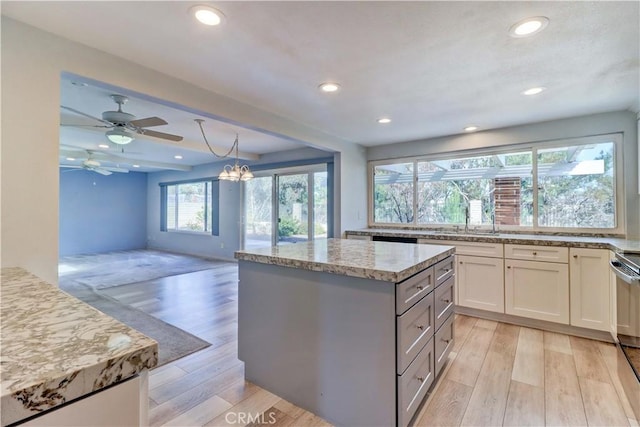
[[66, 363], [353, 331]]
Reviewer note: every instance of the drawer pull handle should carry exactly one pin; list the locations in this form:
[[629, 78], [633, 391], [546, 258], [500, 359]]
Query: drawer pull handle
[[419, 287], [575, 256], [447, 341], [535, 253], [508, 266], [446, 270], [421, 379], [460, 262], [421, 327], [446, 301]]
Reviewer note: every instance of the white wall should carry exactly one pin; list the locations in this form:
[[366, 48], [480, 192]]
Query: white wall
[[596, 124], [32, 62]]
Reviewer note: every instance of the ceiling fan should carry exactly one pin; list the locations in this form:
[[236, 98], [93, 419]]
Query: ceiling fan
[[124, 126], [93, 165]]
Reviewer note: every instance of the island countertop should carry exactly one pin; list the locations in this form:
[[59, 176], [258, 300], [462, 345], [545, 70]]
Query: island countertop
[[55, 348], [385, 261]]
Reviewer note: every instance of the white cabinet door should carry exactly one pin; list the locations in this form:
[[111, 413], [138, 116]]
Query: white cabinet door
[[538, 290], [481, 283], [589, 286]]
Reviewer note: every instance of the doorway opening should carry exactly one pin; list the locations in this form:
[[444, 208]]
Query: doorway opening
[[286, 206]]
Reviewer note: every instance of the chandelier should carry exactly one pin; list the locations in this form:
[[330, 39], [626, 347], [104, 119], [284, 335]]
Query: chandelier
[[233, 173]]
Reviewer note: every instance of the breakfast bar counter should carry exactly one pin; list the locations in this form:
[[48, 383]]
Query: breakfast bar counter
[[353, 331], [57, 350]]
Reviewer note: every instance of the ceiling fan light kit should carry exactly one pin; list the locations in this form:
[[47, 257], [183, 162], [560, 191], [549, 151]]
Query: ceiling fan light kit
[[124, 126], [119, 136]]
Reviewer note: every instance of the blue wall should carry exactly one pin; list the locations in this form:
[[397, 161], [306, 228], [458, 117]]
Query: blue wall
[[102, 213]]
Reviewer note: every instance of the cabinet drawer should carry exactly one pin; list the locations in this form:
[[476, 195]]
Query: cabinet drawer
[[443, 301], [493, 250], [443, 343], [537, 253], [411, 290], [444, 270], [414, 384], [414, 328]]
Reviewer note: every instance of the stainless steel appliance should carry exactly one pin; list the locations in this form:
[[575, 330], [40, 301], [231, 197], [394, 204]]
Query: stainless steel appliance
[[627, 269]]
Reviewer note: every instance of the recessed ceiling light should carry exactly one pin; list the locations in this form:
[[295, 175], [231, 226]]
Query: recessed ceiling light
[[384, 120], [529, 26], [470, 128], [178, 157], [207, 15], [71, 159], [533, 91], [329, 87], [105, 146], [136, 166]]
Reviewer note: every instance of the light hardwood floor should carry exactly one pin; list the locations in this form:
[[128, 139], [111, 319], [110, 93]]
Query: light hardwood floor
[[497, 374]]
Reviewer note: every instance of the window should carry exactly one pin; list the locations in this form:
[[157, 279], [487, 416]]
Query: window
[[189, 206], [576, 188], [452, 190]]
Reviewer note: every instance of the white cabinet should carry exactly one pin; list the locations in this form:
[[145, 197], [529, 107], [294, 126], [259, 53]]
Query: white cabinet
[[481, 283], [589, 288], [125, 404], [480, 278], [537, 290]]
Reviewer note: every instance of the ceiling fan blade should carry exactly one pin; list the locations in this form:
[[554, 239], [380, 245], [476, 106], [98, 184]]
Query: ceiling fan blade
[[71, 166], [101, 171], [148, 122], [114, 169], [73, 110], [160, 135], [86, 126]]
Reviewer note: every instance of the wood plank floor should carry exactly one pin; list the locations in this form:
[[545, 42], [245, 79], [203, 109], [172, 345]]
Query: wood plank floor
[[498, 374]]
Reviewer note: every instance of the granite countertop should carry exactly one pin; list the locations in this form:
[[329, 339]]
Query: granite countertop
[[55, 348], [612, 243], [391, 262]]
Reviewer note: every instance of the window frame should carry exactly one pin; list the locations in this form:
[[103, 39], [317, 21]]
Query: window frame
[[615, 138], [215, 206]]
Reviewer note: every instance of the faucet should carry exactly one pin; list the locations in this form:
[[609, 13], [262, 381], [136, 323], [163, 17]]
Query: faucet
[[466, 219]]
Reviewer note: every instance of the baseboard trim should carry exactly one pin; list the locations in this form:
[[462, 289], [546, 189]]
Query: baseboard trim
[[536, 324]]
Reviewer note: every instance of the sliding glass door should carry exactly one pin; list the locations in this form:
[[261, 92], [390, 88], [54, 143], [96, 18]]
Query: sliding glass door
[[258, 212], [285, 208]]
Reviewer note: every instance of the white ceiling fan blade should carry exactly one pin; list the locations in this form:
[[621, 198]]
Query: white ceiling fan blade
[[73, 110], [148, 122], [71, 166], [101, 171], [85, 126], [114, 169], [161, 135]]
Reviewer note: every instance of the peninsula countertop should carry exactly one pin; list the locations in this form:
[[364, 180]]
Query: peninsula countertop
[[612, 243], [385, 261], [55, 348]]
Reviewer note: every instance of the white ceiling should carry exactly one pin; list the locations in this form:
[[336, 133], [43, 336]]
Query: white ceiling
[[433, 67]]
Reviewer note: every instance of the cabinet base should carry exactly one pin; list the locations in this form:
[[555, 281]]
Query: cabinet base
[[536, 324]]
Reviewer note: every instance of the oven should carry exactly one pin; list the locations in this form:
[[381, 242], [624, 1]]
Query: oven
[[627, 270]]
